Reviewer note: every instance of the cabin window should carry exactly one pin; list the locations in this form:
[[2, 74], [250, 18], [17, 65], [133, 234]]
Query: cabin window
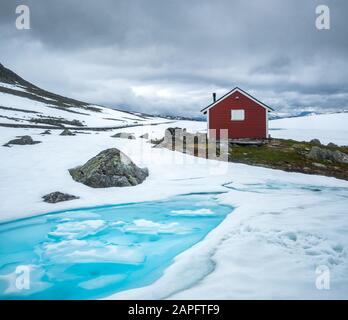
[[238, 115]]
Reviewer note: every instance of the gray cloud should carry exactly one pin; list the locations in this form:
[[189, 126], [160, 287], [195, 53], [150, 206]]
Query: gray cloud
[[168, 56]]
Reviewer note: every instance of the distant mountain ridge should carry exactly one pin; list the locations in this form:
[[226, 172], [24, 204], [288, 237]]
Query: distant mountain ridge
[[25, 104], [33, 92], [8, 76], [284, 115]]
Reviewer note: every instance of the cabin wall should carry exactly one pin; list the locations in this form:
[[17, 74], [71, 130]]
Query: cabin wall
[[253, 126]]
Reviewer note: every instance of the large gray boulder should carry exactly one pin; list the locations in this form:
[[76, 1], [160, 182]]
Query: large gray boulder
[[321, 154], [22, 140], [110, 168]]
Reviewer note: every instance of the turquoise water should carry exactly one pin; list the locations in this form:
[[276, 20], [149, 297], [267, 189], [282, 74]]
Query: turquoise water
[[93, 252]]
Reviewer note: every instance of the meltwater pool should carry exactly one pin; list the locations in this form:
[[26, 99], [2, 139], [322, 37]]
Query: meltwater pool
[[93, 252]]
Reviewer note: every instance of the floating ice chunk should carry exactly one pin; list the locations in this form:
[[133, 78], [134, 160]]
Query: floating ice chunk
[[118, 223], [144, 226], [63, 246], [198, 212], [101, 281], [148, 223], [109, 253], [83, 251], [77, 229]]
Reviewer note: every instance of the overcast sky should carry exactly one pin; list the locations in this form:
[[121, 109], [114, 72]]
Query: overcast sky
[[166, 56]]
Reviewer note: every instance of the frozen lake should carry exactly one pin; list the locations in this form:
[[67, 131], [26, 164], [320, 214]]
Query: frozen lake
[[93, 252]]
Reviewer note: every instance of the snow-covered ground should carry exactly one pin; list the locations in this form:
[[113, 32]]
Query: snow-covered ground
[[30, 171], [273, 246], [325, 127], [285, 228]]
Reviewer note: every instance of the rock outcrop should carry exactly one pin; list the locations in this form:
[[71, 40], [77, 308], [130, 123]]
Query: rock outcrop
[[332, 145], [322, 154], [57, 196], [124, 135], [144, 136], [67, 132], [110, 168], [315, 142], [23, 140]]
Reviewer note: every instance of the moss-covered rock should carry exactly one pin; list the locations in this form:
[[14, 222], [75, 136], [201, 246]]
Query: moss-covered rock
[[322, 154], [57, 196], [110, 168]]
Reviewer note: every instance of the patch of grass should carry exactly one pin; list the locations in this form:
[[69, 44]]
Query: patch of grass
[[288, 155], [265, 154], [284, 154]]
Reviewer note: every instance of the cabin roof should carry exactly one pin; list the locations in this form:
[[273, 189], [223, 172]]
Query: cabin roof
[[204, 110]]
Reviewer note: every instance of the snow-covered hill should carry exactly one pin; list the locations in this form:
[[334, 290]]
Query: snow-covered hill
[[24, 104], [332, 127]]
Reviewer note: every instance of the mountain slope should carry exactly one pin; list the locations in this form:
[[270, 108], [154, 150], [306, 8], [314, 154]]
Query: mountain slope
[[24, 104]]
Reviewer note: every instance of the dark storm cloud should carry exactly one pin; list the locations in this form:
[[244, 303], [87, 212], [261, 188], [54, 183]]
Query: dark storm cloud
[[168, 56]]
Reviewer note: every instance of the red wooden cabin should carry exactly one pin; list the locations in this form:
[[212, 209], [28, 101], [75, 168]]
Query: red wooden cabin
[[241, 114]]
